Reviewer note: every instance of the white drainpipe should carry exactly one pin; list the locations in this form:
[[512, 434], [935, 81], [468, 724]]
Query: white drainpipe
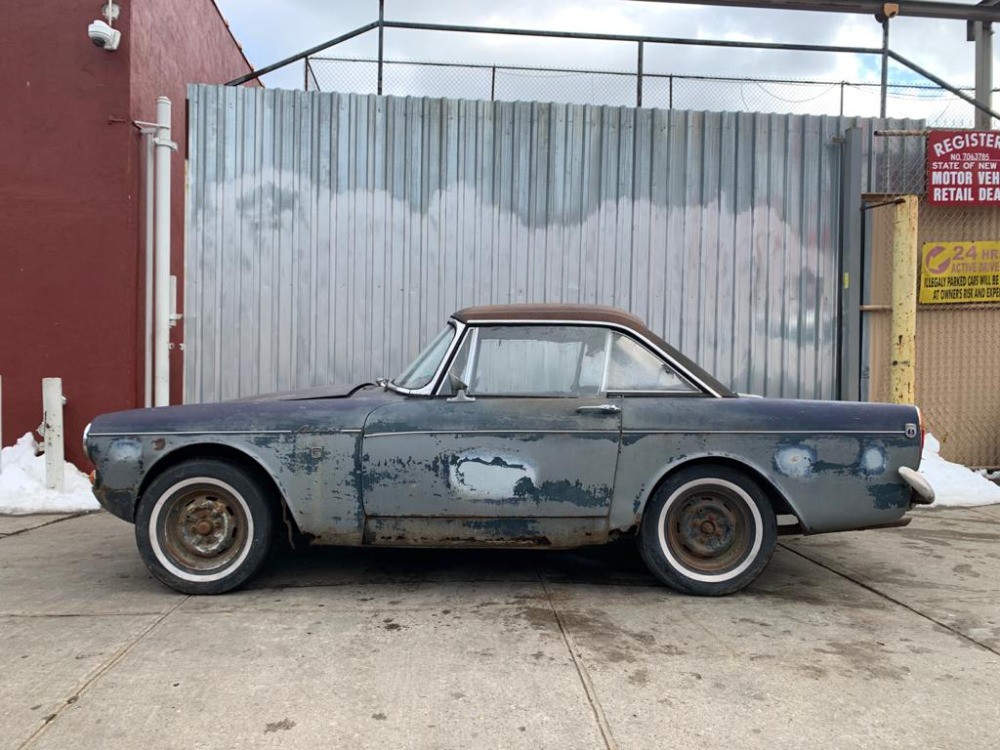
[[161, 283], [148, 330]]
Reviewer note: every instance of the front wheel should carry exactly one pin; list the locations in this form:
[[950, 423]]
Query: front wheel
[[708, 530], [204, 527]]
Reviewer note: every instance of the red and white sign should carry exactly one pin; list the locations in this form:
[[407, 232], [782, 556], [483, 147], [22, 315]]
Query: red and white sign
[[963, 167]]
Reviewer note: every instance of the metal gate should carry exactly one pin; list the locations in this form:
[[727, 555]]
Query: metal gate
[[329, 235]]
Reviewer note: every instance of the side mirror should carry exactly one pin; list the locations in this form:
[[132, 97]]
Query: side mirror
[[459, 389]]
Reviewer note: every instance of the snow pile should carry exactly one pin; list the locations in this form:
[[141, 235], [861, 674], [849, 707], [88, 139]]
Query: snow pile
[[22, 483], [953, 483]]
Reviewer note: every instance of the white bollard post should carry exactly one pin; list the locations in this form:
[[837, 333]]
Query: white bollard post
[[55, 461]]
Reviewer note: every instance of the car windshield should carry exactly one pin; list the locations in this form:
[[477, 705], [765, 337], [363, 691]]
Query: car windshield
[[422, 369]]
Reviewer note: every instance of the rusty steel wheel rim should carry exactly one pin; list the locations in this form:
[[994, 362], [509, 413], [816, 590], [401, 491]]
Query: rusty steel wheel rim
[[204, 527], [710, 529]]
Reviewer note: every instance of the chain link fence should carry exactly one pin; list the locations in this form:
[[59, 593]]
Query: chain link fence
[[957, 345], [936, 106]]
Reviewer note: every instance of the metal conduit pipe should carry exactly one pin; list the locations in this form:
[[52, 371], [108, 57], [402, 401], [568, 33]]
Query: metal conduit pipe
[[161, 271]]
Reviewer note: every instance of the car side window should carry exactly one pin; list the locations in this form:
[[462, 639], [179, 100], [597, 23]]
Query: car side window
[[533, 360], [632, 367]]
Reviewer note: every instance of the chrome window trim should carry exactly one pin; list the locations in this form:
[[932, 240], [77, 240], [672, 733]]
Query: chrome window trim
[[435, 382], [609, 325], [608, 343]]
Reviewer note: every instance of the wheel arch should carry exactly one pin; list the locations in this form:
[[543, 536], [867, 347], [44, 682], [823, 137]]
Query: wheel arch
[[231, 455], [779, 501]]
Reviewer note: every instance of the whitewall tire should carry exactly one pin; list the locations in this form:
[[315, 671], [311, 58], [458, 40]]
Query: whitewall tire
[[708, 530], [204, 527]]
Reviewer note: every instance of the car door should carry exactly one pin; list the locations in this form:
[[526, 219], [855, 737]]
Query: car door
[[535, 436]]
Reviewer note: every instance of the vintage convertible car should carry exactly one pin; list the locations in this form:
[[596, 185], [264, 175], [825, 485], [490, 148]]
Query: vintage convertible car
[[548, 426]]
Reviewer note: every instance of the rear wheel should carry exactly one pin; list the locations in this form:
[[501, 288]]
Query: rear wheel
[[708, 530], [204, 527]]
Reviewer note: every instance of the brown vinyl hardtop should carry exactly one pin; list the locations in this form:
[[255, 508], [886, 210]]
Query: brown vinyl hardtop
[[541, 312]]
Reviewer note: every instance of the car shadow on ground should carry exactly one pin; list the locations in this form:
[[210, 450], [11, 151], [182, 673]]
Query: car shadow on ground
[[617, 563]]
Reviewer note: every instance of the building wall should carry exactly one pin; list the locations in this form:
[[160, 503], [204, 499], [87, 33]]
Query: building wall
[[67, 228], [71, 271], [330, 235], [958, 346]]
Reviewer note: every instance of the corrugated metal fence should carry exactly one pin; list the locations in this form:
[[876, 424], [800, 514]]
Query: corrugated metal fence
[[329, 236]]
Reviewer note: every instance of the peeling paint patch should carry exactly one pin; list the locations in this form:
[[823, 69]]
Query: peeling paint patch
[[888, 496], [125, 450], [873, 460], [481, 477], [797, 461]]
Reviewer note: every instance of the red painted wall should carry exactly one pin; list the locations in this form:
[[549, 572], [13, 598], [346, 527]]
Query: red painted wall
[[71, 269]]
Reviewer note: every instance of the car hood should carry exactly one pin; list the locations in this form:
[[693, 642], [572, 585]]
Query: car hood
[[319, 409], [308, 394]]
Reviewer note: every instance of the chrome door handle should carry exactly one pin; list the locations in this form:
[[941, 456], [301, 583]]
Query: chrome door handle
[[599, 409]]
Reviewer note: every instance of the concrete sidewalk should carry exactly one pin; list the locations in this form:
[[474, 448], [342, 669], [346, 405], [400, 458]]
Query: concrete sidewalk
[[877, 639]]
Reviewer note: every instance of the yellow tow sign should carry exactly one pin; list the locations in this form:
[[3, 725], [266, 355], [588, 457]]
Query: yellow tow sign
[[960, 272]]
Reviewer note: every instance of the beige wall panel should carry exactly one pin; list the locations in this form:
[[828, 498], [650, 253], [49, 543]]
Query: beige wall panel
[[958, 346]]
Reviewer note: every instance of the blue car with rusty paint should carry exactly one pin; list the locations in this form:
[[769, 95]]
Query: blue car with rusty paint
[[549, 426]]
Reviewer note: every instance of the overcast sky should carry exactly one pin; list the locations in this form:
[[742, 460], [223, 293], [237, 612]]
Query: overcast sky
[[270, 30]]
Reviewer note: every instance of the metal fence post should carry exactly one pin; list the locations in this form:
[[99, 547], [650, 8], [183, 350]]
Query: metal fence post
[[493, 83], [381, 34], [52, 423], [885, 66], [670, 92], [638, 83], [904, 301]]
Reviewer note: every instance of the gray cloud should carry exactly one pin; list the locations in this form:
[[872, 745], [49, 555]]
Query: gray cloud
[[272, 30]]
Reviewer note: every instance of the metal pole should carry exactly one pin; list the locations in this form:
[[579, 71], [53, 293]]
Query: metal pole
[[670, 92], [638, 82], [493, 83], [904, 301], [255, 74], [842, 83], [984, 74], [885, 65], [161, 332], [952, 11], [52, 423], [148, 327], [851, 264], [944, 84], [381, 35]]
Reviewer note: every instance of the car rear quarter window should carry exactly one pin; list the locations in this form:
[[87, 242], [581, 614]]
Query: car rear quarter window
[[633, 367]]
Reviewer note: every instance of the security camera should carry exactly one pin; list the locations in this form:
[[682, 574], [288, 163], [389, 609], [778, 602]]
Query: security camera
[[102, 35]]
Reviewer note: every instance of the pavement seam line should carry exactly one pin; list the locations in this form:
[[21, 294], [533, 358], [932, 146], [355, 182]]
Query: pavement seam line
[[887, 597], [78, 514], [101, 671], [581, 670]]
